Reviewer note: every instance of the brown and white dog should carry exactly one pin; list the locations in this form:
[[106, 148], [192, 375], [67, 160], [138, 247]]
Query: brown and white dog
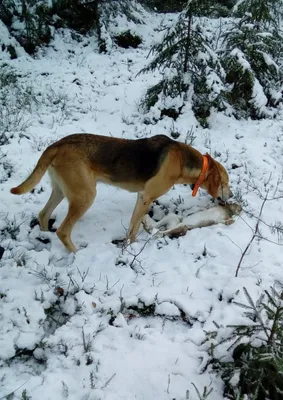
[[149, 167]]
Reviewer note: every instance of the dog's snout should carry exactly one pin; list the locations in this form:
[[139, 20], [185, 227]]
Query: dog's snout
[[225, 197]]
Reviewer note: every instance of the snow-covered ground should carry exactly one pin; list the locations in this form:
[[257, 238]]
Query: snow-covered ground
[[69, 325]]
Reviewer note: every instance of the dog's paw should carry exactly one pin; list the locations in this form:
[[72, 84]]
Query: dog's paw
[[119, 242]]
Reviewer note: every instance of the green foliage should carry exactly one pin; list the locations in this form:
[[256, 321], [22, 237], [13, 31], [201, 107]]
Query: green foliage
[[166, 6], [128, 8], [252, 58], [6, 11], [257, 367], [7, 76], [127, 39], [34, 19], [244, 76], [241, 79], [31, 21], [205, 394], [187, 63], [266, 12], [221, 7], [75, 14]]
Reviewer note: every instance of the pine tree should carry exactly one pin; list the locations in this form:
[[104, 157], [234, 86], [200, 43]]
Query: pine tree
[[252, 58], [189, 66]]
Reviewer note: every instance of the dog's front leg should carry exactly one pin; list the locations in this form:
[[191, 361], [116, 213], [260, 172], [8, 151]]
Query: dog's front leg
[[141, 208]]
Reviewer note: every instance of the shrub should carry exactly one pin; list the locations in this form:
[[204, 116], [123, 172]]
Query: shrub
[[257, 367], [127, 39]]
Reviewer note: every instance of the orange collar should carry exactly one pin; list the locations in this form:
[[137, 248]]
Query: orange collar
[[202, 175]]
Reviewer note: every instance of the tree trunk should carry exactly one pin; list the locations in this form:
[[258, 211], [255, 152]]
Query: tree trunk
[[188, 41]]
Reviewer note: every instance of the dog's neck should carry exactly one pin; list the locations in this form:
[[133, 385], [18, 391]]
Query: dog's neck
[[192, 165]]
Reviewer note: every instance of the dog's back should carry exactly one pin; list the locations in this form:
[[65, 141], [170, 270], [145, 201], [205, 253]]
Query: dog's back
[[118, 160]]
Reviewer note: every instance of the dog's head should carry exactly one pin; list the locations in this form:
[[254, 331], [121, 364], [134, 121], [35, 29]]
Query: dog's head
[[217, 181]]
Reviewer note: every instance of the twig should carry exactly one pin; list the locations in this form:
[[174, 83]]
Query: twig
[[107, 382], [169, 381], [12, 393], [256, 233], [131, 265]]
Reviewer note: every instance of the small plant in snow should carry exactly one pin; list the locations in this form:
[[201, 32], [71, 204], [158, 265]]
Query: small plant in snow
[[20, 257], [257, 369], [25, 395], [205, 393], [174, 133], [92, 379], [6, 168], [10, 228], [65, 390], [190, 137], [87, 339], [7, 76], [200, 396], [15, 101], [39, 143]]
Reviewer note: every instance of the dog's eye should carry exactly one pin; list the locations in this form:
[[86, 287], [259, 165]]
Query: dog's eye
[[192, 186]]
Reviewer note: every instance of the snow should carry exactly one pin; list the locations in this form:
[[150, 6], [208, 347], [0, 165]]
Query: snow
[[79, 312]]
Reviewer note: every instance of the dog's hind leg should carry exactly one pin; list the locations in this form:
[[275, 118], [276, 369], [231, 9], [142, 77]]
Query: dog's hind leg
[[54, 200], [78, 205], [79, 186]]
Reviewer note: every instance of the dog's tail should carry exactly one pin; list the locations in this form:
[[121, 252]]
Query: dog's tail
[[35, 177]]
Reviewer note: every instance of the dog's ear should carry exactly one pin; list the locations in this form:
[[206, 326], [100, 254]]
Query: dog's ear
[[215, 176], [210, 159]]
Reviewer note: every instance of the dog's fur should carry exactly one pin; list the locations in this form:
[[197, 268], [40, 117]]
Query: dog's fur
[[147, 166]]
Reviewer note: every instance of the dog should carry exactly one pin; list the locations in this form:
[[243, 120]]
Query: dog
[[149, 166]]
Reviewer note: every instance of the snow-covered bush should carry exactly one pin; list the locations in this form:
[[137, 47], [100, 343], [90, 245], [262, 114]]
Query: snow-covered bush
[[189, 66], [28, 21], [252, 59], [256, 370], [240, 70], [14, 101], [222, 7], [32, 22]]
